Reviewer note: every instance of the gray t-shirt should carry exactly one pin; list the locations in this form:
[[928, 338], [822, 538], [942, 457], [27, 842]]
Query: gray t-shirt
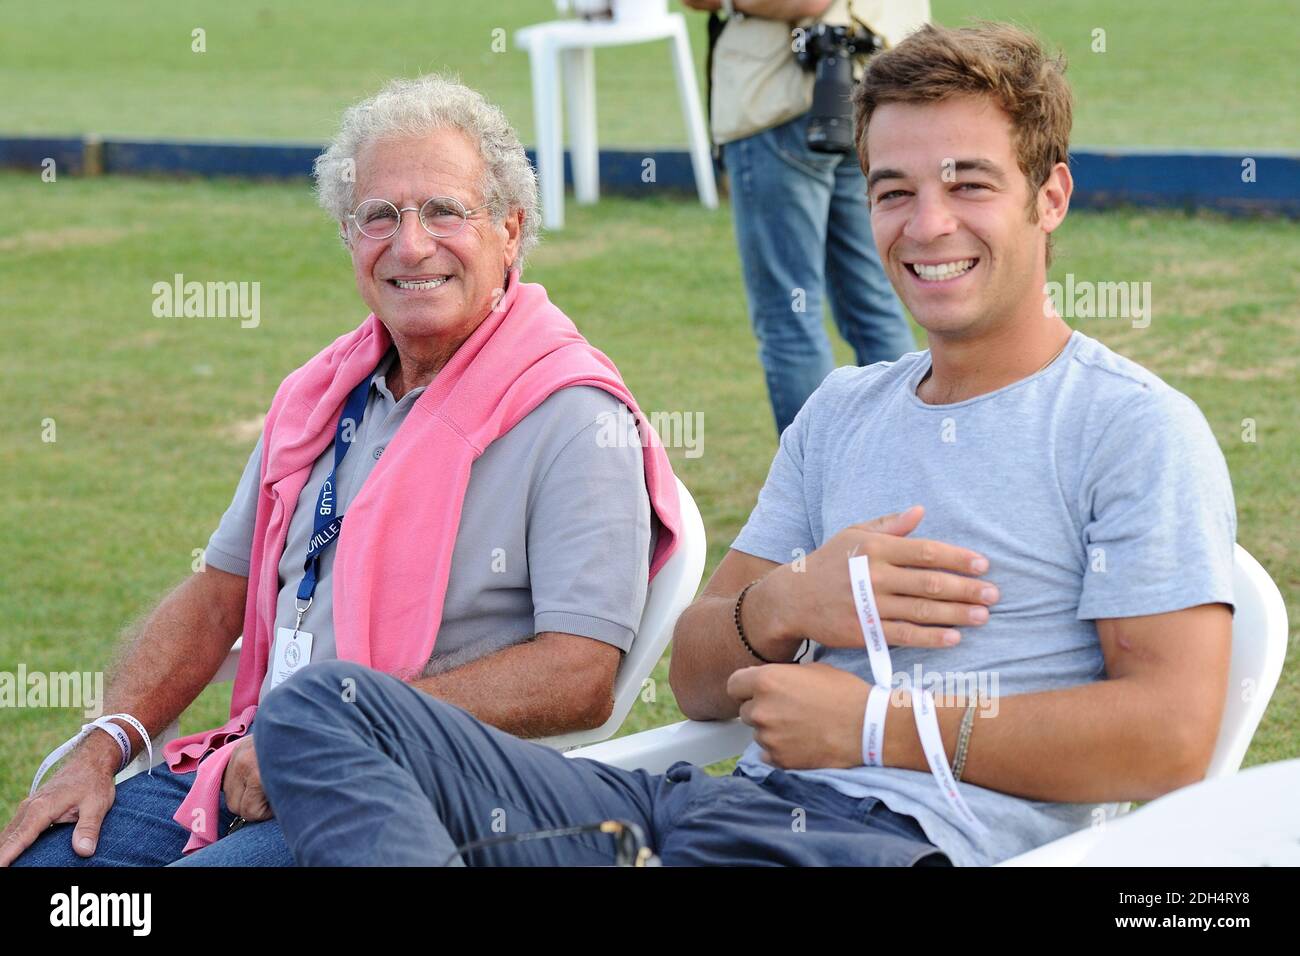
[[1094, 489], [555, 530]]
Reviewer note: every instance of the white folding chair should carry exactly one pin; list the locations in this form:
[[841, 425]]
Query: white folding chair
[[562, 61], [1259, 639], [672, 589]]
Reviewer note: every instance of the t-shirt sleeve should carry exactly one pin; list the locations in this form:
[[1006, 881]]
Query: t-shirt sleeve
[[589, 528], [231, 546], [1159, 522], [780, 528]]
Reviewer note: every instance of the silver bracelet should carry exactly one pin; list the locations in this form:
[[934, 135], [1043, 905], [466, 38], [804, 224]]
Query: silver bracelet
[[963, 739]]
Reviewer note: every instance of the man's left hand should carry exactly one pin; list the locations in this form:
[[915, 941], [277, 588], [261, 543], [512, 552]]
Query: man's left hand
[[243, 784], [803, 715]]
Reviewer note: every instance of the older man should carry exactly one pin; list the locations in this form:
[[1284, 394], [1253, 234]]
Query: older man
[[456, 430]]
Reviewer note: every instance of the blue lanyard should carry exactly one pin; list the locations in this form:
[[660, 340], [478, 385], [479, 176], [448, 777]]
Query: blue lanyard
[[328, 524]]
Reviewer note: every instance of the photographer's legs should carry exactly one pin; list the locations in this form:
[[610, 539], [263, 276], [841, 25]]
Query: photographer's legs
[[866, 309], [780, 199]]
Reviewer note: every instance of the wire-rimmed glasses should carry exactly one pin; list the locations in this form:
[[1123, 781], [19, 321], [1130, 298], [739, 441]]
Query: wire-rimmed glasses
[[441, 216]]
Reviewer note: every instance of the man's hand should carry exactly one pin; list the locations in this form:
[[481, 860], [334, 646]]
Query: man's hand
[[161, 672], [705, 5], [922, 590], [242, 784], [81, 792], [806, 715]]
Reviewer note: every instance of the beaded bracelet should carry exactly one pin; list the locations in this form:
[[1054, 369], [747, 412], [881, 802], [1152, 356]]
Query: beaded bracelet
[[740, 629]]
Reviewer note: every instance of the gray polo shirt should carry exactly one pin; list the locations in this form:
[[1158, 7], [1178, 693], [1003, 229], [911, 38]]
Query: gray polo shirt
[[555, 531]]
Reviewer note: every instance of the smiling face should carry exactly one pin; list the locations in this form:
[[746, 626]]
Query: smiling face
[[421, 287], [950, 212]]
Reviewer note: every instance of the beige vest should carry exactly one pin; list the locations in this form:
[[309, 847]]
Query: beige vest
[[757, 84]]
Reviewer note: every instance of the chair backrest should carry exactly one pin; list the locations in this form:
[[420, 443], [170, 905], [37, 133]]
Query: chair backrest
[[672, 589], [1259, 638]]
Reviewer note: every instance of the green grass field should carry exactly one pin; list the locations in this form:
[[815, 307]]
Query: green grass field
[[155, 417], [1216, 73]]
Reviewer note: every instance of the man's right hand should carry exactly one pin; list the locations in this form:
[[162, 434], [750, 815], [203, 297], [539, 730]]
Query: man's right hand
[[924, 590], [80, 792]]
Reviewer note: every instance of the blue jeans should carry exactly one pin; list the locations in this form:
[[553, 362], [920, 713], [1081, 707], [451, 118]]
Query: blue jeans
[[363, 769], [804, 232], [138, 830]]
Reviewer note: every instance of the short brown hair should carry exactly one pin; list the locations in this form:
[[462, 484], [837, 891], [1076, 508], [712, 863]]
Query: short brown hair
[[988, 59]]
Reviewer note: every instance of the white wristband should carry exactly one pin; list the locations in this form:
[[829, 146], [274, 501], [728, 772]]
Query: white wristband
[[927, 727], [873, 632], [113, 730], [882, 675], [873, 727], [123, 741], [139, 729]]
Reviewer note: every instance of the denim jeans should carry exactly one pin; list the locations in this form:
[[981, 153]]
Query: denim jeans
[[138, 830], [804, 232], [363, 769]]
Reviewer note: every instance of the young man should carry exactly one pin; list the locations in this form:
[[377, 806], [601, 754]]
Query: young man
[[1093, 606]]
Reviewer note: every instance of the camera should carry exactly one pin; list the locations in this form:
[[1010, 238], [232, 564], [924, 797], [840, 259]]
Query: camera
[[830, 51]]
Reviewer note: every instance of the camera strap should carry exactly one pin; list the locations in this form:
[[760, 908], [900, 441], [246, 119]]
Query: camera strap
[[716, 25]]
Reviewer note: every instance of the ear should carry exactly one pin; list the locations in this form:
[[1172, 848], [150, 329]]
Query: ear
[[513, 224], [343, 235], [1054, 197]]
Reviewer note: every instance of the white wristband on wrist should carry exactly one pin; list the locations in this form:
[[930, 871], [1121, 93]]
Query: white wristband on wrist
[[882, 675], [927, 727], [873, 727], [105, 724]]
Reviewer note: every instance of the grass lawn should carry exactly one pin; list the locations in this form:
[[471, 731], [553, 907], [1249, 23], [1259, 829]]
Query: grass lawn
[[1209, 74], [155, 417]]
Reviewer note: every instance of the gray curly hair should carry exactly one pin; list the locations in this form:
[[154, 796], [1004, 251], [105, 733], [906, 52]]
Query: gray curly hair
[[422, 105]]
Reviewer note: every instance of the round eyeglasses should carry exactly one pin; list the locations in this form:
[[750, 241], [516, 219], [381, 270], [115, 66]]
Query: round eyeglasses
[[442, 217]]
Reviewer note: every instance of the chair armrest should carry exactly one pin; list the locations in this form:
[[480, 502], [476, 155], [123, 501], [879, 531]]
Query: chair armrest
[[696, 741], [706, 742], [230, 666], [141, 762], [226, 672], [1067, 851]]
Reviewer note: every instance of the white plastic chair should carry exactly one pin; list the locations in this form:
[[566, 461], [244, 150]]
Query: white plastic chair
[[568, 46], [672, 589], [1259, 639]]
